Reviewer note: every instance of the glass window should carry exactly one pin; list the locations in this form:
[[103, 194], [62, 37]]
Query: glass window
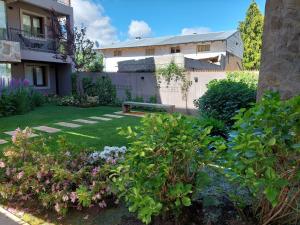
[[32, 25], [36, 75], [150, 51], [203, 48], [175, 50], [117, 53], [2, 20], [5, 72]]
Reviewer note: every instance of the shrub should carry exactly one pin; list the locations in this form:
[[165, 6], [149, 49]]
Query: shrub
[[224, 98], [264, 155], [18, 98], [249, 78], [96, 65], [218, 126], [163, 167], [61, 180]]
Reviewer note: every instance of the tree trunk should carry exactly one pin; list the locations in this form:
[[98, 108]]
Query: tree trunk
[[280, 63]]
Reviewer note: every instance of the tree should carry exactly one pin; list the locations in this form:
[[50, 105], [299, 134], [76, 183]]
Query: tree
[[251, 30], [280, 64]]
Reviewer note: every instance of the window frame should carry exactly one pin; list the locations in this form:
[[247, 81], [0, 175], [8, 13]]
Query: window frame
[[46, 75], [117, 53], [150, 51], [43, 21], [175, 50], [205, 49]]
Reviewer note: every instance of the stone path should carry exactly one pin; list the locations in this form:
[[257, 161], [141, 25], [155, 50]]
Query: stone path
[[85, 121], [46, 129], [99, 118], [90, 120], [69, 125], [12, 133], [7, 218], [113, 116]]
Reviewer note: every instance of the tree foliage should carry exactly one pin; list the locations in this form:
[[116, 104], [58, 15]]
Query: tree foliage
[[251, 30]]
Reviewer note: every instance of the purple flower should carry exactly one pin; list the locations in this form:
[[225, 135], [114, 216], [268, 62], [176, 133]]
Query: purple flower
[[26, 83]]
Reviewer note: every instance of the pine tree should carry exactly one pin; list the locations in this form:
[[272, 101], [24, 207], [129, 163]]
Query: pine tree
[[251, 31]]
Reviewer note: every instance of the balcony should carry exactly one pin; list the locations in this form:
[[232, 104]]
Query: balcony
[[30, 41]]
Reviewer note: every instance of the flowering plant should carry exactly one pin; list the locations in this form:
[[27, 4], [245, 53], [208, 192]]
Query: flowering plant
[[62, 180], [109, 155]]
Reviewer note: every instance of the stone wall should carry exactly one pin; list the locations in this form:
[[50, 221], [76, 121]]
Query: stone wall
[[280, 65], [10, 51]]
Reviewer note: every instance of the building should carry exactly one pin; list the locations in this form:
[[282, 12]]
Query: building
[[28, 47], [209, 51]]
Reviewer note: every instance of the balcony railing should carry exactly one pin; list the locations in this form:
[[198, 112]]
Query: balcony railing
[[31, 41], [65, 2]]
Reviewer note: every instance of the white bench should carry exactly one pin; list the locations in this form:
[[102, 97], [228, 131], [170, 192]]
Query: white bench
[[127, 106]]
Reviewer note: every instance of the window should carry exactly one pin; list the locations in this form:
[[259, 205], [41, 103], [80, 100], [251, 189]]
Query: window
[[5, 72], [2, 20], [117, 53], [150, 51], [203, 48], [36, 75], [33, 25], [175, 49]]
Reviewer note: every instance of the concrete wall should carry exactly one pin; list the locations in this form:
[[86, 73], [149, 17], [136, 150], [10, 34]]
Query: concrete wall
[[146, 85], [280, 64], [188, 50], [10, 51]]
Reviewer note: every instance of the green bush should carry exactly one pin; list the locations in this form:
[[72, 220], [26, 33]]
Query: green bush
[[218, 126], [163, 169], [224, 98], [249, 78], [264, 156], [37, 99], [96, 65]]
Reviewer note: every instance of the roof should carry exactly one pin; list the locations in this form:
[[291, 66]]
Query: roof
[[172, 40]]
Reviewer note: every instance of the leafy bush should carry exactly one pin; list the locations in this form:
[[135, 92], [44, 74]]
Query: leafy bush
[[218, 126], [246, 77], [224, 98], [96, 65], [18, 98], [61, 180], [163, 167], [264, 155]]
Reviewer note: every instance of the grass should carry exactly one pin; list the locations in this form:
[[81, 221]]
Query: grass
[[96, 136]]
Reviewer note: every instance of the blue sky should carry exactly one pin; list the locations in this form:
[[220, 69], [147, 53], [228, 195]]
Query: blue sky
[[122, 19]]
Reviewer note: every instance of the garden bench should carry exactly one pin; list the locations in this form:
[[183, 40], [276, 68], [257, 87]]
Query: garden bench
[[127, 106]]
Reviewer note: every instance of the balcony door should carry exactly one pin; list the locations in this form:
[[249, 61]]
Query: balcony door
[[33, 25], [3, 25]]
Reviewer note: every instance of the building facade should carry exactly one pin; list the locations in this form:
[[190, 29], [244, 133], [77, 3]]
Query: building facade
[[28, 47], [218, 50]]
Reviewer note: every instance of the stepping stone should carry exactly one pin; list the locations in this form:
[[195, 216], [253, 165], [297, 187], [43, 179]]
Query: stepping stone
[[46, 129], [85, 121], [12, 133], [70, 125], [2, 142], [99, 118], [113, 116], [129, 114]]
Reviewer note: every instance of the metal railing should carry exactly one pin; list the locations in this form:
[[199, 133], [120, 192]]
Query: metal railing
[[32, 41], [65, 2]]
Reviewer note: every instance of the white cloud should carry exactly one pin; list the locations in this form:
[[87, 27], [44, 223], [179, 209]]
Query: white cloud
[[91, 15], [193, 30], [139, 29]]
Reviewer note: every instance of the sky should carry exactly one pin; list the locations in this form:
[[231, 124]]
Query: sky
[[110, 21]]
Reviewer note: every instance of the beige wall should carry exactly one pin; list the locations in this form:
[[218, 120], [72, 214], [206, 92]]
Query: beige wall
[[10, 51], [187, 50], [146, 85]]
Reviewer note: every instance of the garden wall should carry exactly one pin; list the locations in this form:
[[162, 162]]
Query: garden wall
[[146, 85]]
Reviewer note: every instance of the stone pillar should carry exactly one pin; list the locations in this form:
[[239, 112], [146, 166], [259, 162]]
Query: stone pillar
[[280, 63]]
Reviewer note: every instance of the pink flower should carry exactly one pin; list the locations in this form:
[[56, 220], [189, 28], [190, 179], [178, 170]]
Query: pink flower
[[2, 164], [20, 175], [73, 197], [57, 207], [95, 171], [65, 198], [102, 204]]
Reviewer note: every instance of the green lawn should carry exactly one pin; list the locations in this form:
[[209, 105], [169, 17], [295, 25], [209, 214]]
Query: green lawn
[[95, 136]]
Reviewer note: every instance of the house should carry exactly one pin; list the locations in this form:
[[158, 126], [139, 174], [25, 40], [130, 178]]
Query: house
[[28, 47], [208, 51]]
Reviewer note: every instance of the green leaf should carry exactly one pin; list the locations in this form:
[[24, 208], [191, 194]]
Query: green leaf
[[272, 194], [186, 201], [272, 141]]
